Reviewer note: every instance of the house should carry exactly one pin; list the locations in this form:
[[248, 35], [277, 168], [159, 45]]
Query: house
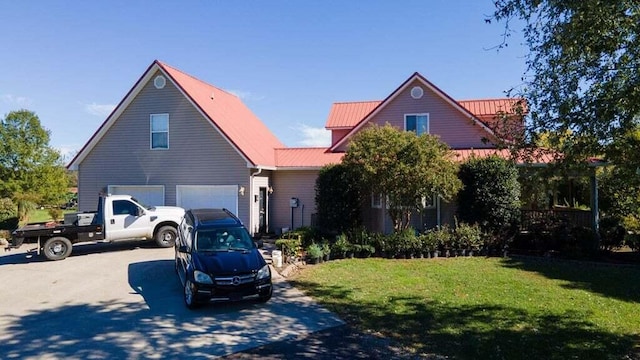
[[176, 140]]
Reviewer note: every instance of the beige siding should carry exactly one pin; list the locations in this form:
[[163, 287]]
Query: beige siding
[[288, 184], [336, 135], [197, 154], [453, 127]]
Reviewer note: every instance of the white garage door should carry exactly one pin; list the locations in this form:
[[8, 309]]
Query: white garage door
[[208, 196], [151, 195]]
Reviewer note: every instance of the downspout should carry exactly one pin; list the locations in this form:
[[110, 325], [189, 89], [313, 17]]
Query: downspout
[[251, 202]]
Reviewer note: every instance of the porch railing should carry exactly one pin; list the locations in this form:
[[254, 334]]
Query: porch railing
[[573, 217]]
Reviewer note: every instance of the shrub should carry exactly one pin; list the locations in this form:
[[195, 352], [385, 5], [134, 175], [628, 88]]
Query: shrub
[[633, 241], [491, 195], [337, 199], [314, 251], [468, 237], [443, 237], [8, 214], [403, 243], [289, 247], [341, 246], [7, 209], [429, 241], [611, 233], [55, 213]]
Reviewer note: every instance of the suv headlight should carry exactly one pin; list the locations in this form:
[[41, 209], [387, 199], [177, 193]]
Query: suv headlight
[[264, 273], [202, 278]]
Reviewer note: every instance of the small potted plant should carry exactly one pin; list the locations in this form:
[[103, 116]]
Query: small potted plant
[[314, 253], [326, 250]]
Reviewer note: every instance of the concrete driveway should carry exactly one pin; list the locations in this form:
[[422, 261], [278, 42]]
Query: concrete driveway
[[124, 301]]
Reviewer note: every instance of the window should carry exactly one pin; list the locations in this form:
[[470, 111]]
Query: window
[[124, 207], [376, 201], [429, 202], [418, 123], [159, 131]]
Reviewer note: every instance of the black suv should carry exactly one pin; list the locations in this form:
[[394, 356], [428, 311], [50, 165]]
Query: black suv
[[217, 260]]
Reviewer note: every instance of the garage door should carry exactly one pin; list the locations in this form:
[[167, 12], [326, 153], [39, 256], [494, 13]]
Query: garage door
[[208, 196], [151, 195]]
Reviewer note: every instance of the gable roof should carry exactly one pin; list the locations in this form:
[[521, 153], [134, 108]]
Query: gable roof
[[354, 115], [346, 115], [226, 112]]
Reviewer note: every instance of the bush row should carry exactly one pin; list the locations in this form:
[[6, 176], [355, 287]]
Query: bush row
[[463, 239]]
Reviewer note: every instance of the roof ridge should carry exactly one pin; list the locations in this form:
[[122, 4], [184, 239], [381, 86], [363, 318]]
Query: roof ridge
[[195, 78], [304, 148], [356, 102], [488, 99]]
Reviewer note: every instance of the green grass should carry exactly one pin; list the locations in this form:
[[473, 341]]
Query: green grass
[[487, 308], [42, 215]]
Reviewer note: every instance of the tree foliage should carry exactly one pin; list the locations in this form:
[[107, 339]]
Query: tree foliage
[[491, 194], [582, 82], [403, 166], [338, 199], [31, 170], [620, 183]]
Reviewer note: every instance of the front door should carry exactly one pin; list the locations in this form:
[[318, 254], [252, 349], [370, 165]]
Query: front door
[[262, 210]]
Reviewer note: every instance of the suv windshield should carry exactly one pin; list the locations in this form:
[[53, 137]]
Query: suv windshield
[[223, 239]]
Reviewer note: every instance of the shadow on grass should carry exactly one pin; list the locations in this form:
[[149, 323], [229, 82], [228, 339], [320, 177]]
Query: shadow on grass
[[478, 332], [614, 281]]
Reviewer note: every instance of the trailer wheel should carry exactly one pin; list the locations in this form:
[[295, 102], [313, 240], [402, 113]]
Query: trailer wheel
[[57, 248], [166, 236]]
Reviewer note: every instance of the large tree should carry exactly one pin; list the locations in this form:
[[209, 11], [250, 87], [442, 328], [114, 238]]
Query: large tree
[[404, 167], [31, 171], [582, 82]]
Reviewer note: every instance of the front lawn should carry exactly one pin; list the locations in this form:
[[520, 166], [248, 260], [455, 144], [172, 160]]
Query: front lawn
[[487, 308]]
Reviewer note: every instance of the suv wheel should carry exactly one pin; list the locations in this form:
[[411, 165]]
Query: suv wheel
[[267, 297], [190, 295]]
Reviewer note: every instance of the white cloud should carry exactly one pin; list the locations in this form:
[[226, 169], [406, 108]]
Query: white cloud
[[16, 100], [246, 95], [313, 137], [101, 110], [67, 151]]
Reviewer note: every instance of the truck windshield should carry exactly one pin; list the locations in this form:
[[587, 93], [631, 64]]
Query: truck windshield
[[142, 204], [231, 239]]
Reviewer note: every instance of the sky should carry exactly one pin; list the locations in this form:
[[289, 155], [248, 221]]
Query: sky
[[71, 62]]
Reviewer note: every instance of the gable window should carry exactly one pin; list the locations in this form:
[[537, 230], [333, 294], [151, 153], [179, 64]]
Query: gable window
[[159, 131], [418, 123]]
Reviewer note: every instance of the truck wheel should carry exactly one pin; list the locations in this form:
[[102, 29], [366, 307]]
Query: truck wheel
[[166, 236], [57, 248]]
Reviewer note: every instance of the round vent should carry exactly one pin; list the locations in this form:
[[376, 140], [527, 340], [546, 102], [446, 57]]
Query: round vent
[[417, 92], [159, 82]]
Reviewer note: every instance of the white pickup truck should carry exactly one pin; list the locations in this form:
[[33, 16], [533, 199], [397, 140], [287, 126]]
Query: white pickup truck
[[119, 217]]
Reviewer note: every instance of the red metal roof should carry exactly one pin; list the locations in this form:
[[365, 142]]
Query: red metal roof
[[539, 156], [484, 107], [349, 114], [227, 112], [306, 157]]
